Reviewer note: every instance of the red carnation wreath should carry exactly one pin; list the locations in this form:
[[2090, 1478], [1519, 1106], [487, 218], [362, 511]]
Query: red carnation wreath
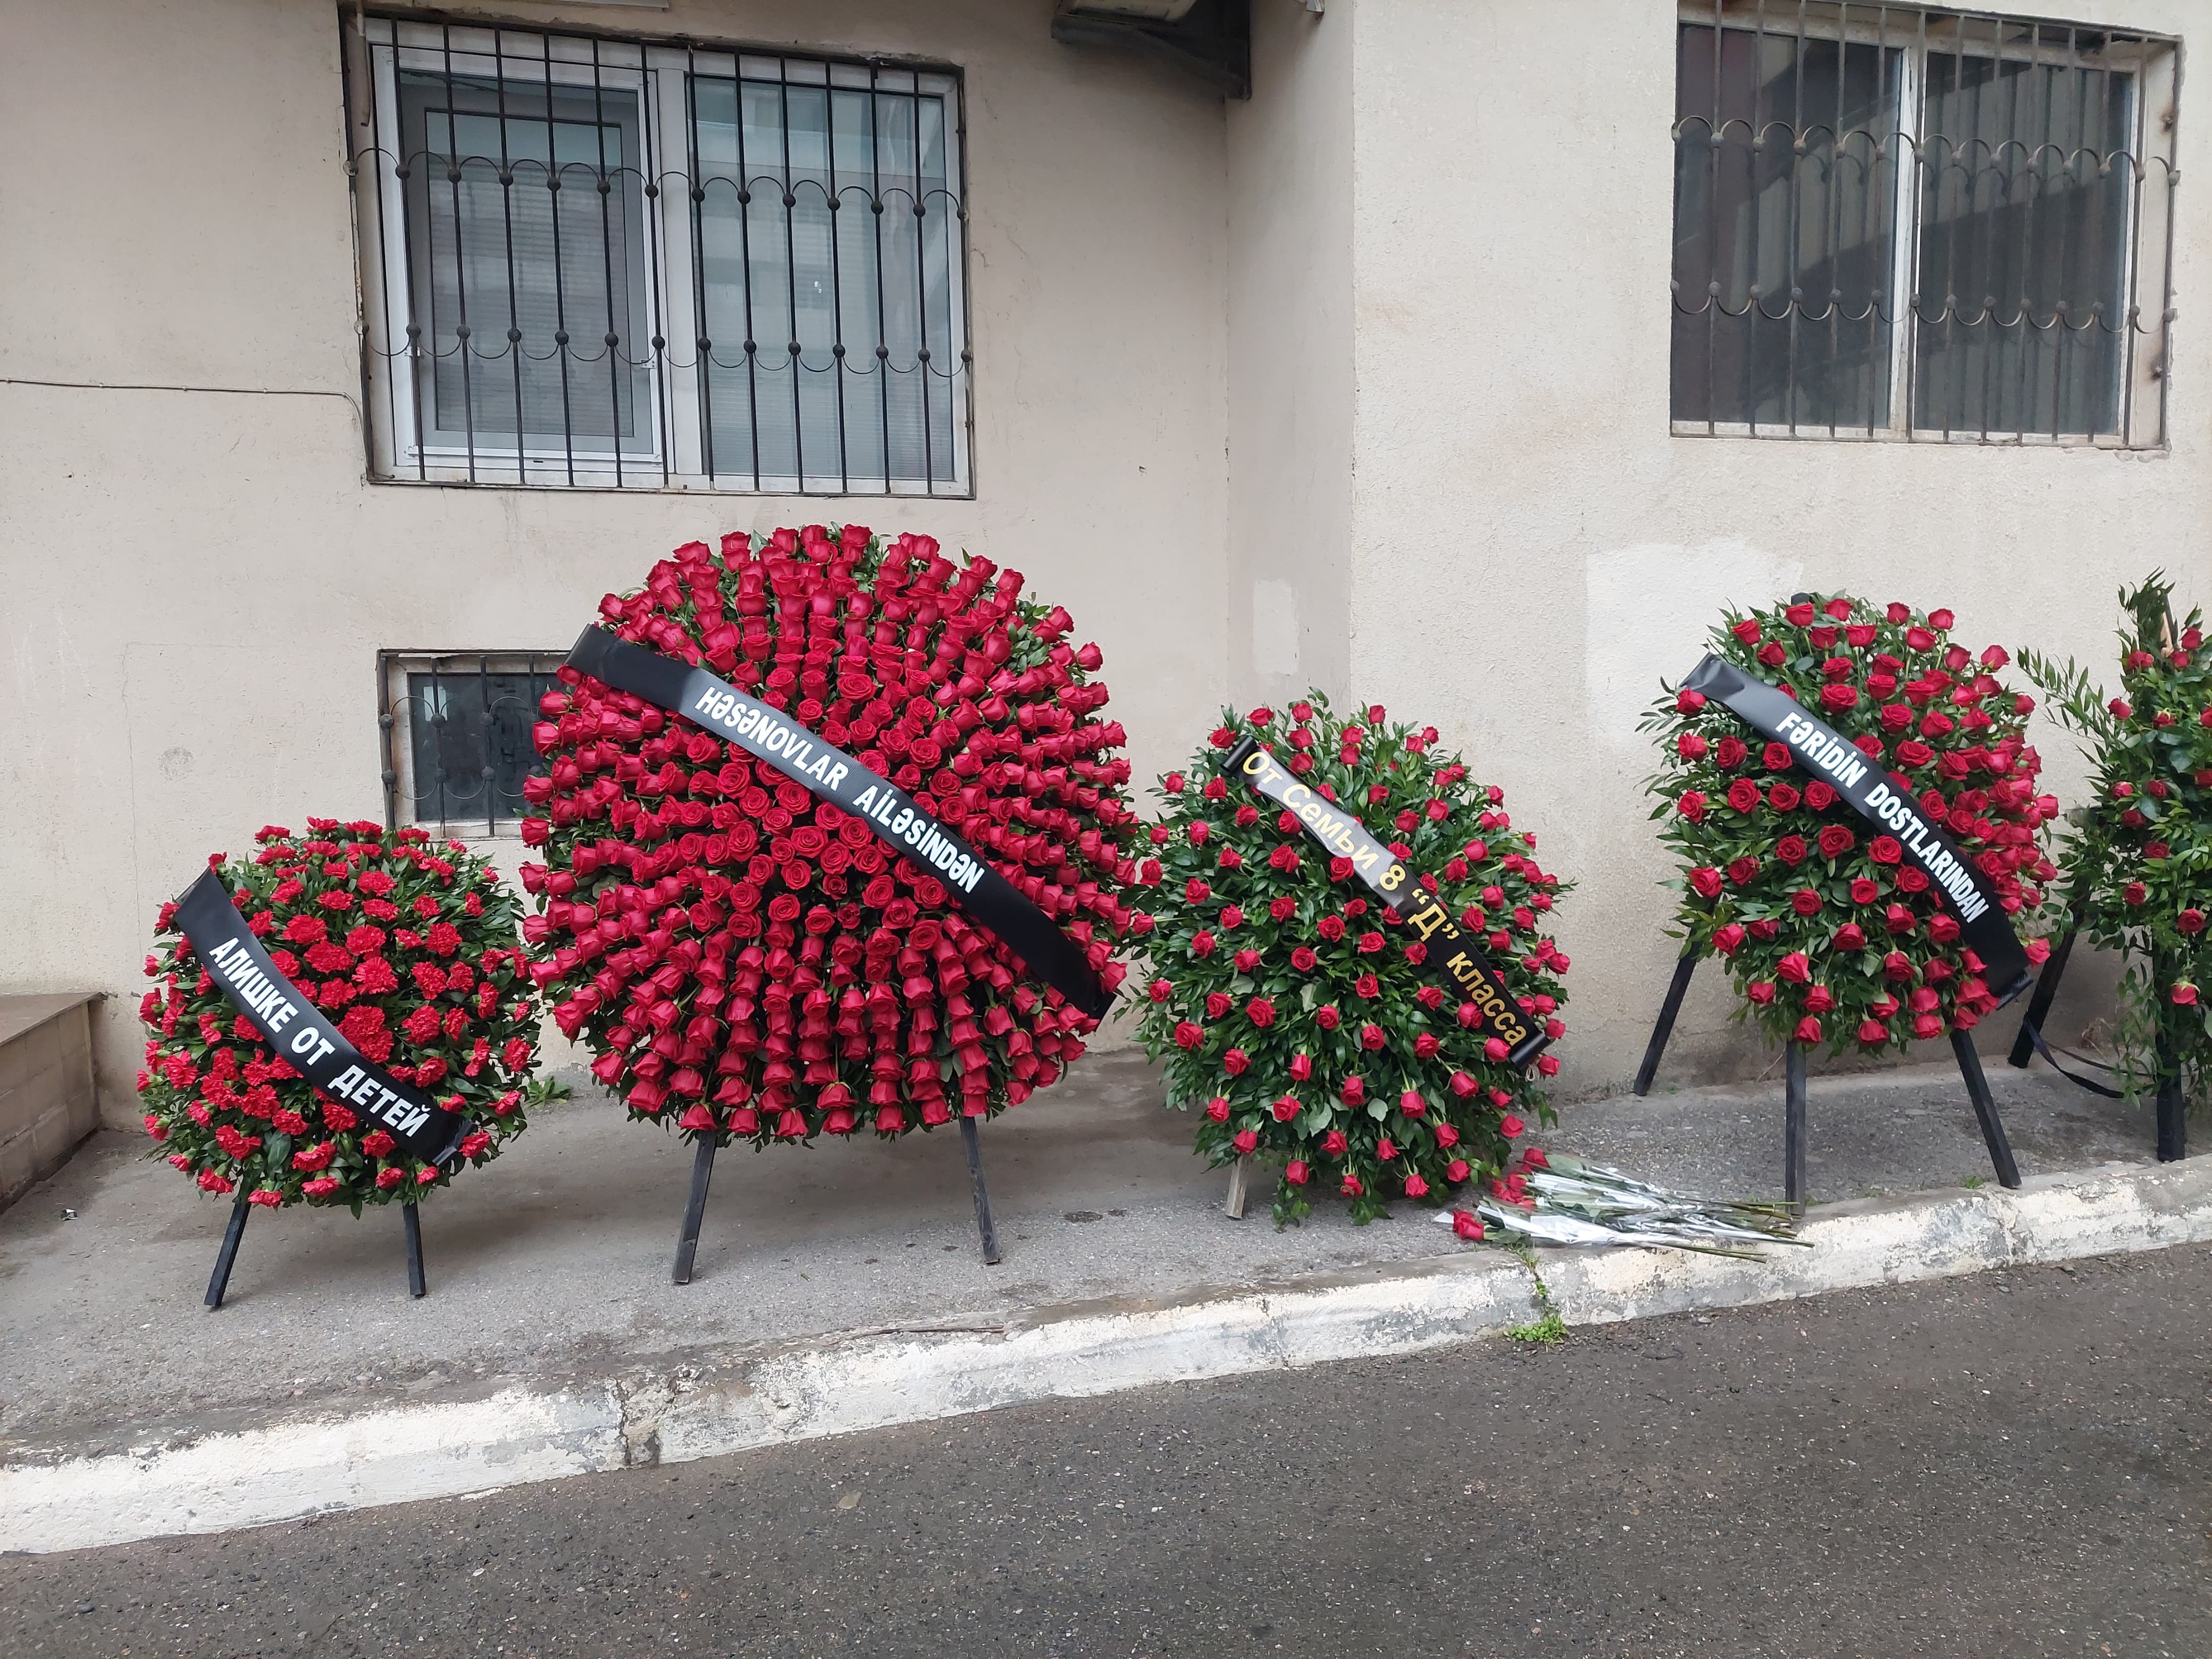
[[753, 962], [1293, 1009], [1830, 934], [413, 954]]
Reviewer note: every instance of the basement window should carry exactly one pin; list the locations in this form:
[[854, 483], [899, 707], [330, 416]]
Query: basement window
[[455, 728]]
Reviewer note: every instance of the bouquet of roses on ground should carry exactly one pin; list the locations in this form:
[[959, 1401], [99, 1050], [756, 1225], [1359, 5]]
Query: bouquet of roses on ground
[[1831, 935], [750, 961], [2138, 862], [413, 955], [1292, 1008]]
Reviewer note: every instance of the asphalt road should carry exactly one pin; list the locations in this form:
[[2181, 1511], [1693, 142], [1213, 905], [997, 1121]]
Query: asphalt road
[[2015, 1464]]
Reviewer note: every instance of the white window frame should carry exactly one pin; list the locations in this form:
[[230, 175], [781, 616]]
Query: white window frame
[[656, 84], [2141, 422]]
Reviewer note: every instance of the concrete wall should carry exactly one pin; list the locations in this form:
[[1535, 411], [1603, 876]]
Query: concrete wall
[[1512, 462], [1244, 382], [1291, 355], [198, 580]]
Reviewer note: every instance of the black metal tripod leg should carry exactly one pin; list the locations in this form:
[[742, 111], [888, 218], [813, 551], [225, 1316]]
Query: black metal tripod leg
[[1685, 965], [973, 1143], [1793, 1124], [417, 1285], [2038, 1003], [694, 1211], [2172, 1113], [1986, 1108], [219, 1281]]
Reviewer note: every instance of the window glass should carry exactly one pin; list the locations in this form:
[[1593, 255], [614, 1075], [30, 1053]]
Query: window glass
[[1785, 181], [2023, 237], [529, 279]]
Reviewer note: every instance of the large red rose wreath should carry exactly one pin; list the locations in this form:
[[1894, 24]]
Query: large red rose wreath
[[1292, 1007], [755, 963], [1829, 933], [414, 956]]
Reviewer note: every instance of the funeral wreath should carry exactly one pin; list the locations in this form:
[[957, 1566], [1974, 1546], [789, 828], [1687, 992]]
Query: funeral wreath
[[410, 950], [746, 958], [1833, 929], [1302, 1019], [2137, 861]]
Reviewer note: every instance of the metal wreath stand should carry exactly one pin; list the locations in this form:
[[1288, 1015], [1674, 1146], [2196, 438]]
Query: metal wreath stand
[[702, 1172], [1793, 1122], [219, 1281], [2172, 1115]]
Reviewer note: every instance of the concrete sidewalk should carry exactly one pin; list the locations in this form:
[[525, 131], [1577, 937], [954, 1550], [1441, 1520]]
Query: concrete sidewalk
[[847, 1277]]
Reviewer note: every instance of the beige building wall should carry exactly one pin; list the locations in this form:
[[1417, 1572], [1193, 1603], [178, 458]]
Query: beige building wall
[[1291, 355], [1254, 390], [1512, 468], [198, 578]]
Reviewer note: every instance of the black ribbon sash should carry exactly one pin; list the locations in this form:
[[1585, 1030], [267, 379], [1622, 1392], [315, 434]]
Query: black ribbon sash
[[772, 736], [295, 1028], [1884, 802], [1453, 960]]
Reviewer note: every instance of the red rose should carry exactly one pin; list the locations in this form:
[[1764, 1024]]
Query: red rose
[[2185, 995], [1805, 902], [1783, 797], [1235, 1062], [1743, 795], [1796, 968], [1706, 881], [1836, 840], [1260, 1012], [1886, 849], [1296, 1172], [1834, 695], [1808, 1030], [1692, 804], [1247, 1140], [1217, 1110], [2190, 920], [1728, 938]]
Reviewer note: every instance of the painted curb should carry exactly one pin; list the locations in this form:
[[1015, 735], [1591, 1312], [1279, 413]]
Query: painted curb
[[846, 1384]]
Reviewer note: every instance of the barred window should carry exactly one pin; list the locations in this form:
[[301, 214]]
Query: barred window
[[1892, 223], [456, 735], [600, 262]]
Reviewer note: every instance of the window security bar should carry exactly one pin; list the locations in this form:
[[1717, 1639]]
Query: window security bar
[[1894, 223], [596, 262], [455, 729]]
